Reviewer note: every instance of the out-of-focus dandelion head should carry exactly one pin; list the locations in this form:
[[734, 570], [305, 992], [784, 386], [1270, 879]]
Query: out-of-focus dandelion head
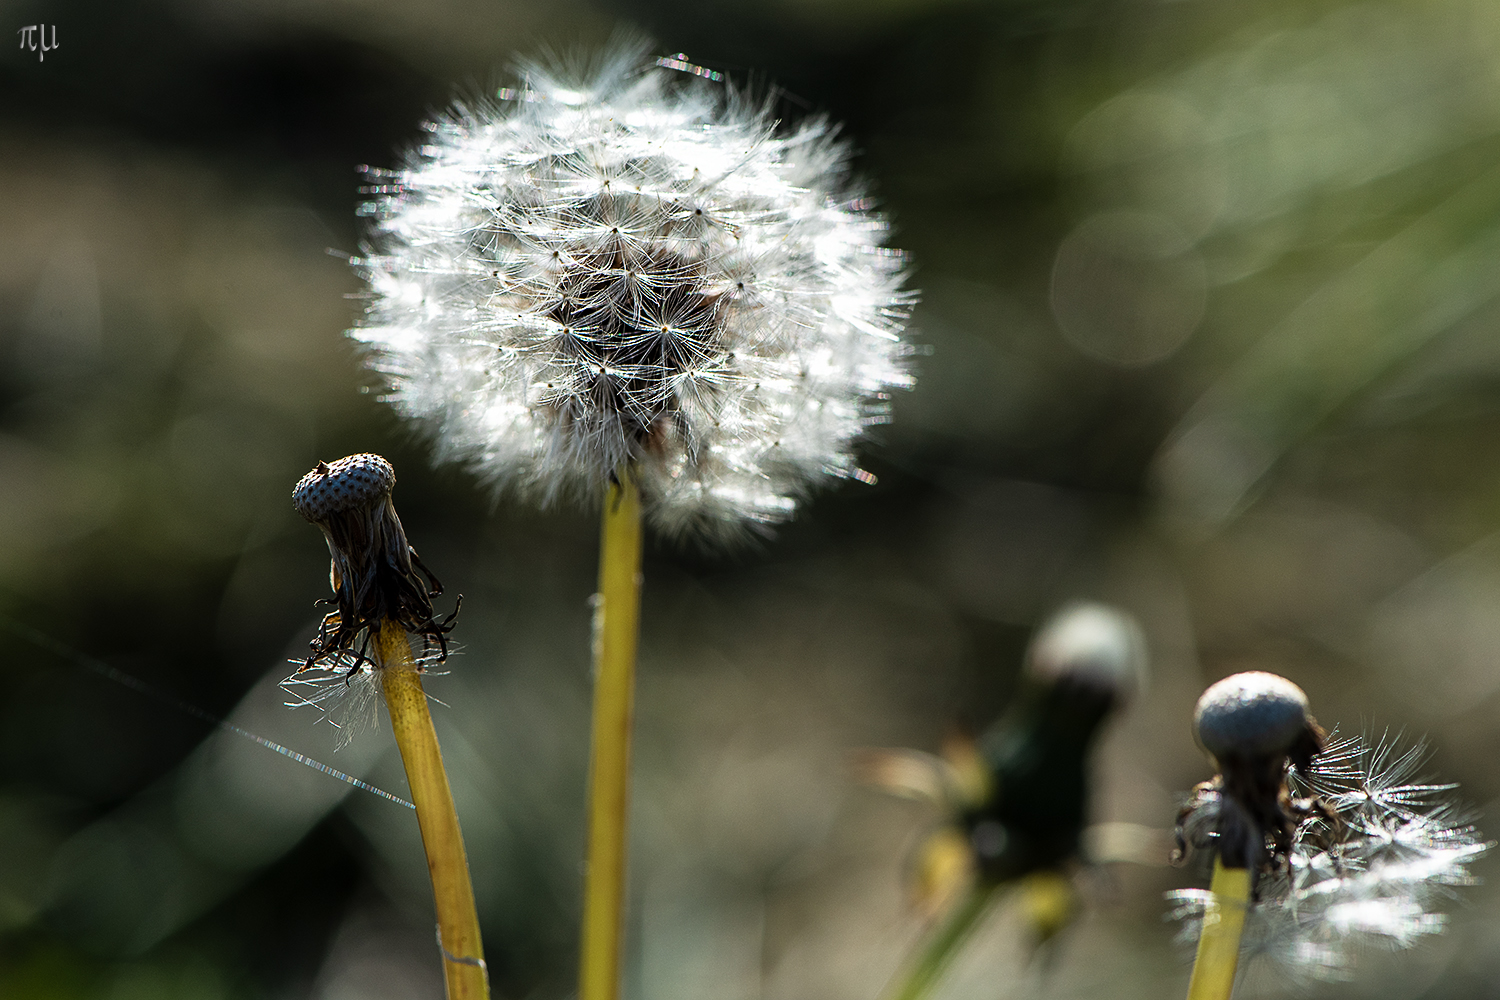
[[1014, 803], [374, 570], [1029, 811], [1092, 646], [1369, 868], [635, 265]]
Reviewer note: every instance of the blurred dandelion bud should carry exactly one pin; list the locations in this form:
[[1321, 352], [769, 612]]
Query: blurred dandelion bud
[[1085, 662], [1342, 843], [1091, 656], [1017, 800], [635, 268]]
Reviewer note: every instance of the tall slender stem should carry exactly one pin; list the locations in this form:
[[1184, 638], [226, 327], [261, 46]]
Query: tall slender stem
[[1219, 941], [453, 896], [616, 622], [918, 979]]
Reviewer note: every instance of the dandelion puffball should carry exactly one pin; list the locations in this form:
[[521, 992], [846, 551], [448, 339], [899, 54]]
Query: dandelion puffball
[[635, 267]]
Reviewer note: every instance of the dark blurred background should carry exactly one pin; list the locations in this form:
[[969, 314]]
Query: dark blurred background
[[1210, 291]]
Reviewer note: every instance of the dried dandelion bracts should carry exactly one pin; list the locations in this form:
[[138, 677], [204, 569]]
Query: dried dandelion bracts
[[631, 283], [384, 597], [1320, 846], [1017, 800]]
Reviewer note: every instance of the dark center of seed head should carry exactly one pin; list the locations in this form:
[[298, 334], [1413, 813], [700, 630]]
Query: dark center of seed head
[[648, 330]]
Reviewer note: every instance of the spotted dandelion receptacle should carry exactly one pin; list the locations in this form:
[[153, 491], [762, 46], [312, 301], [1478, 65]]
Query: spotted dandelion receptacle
[[637, 267]]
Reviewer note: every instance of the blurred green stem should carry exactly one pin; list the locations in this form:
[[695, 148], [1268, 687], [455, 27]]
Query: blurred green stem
[[464, 970], [919, 978], [616, 622]]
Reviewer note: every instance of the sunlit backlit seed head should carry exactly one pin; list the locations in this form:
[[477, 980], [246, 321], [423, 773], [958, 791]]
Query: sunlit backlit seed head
[[374, 571], [635, 265], [1370, 867]]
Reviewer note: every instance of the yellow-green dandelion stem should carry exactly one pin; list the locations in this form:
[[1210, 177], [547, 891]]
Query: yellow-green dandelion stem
[[1219, 941], [616, 622], [921, 976], [452, 893]]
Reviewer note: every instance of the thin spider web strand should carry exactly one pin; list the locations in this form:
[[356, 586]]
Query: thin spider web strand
[[102, 669]]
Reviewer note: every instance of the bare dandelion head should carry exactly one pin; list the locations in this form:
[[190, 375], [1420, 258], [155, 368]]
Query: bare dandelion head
[[635, 266], [1255, 726], [1368, 869], [374, 571], [1256, 714]]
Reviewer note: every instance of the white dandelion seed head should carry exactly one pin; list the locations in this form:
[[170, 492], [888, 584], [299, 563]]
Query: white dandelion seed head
[[1371, 872], [635, 266]]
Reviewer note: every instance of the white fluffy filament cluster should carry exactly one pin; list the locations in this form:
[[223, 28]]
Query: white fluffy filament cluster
[[1371, 874], [635, 267]]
